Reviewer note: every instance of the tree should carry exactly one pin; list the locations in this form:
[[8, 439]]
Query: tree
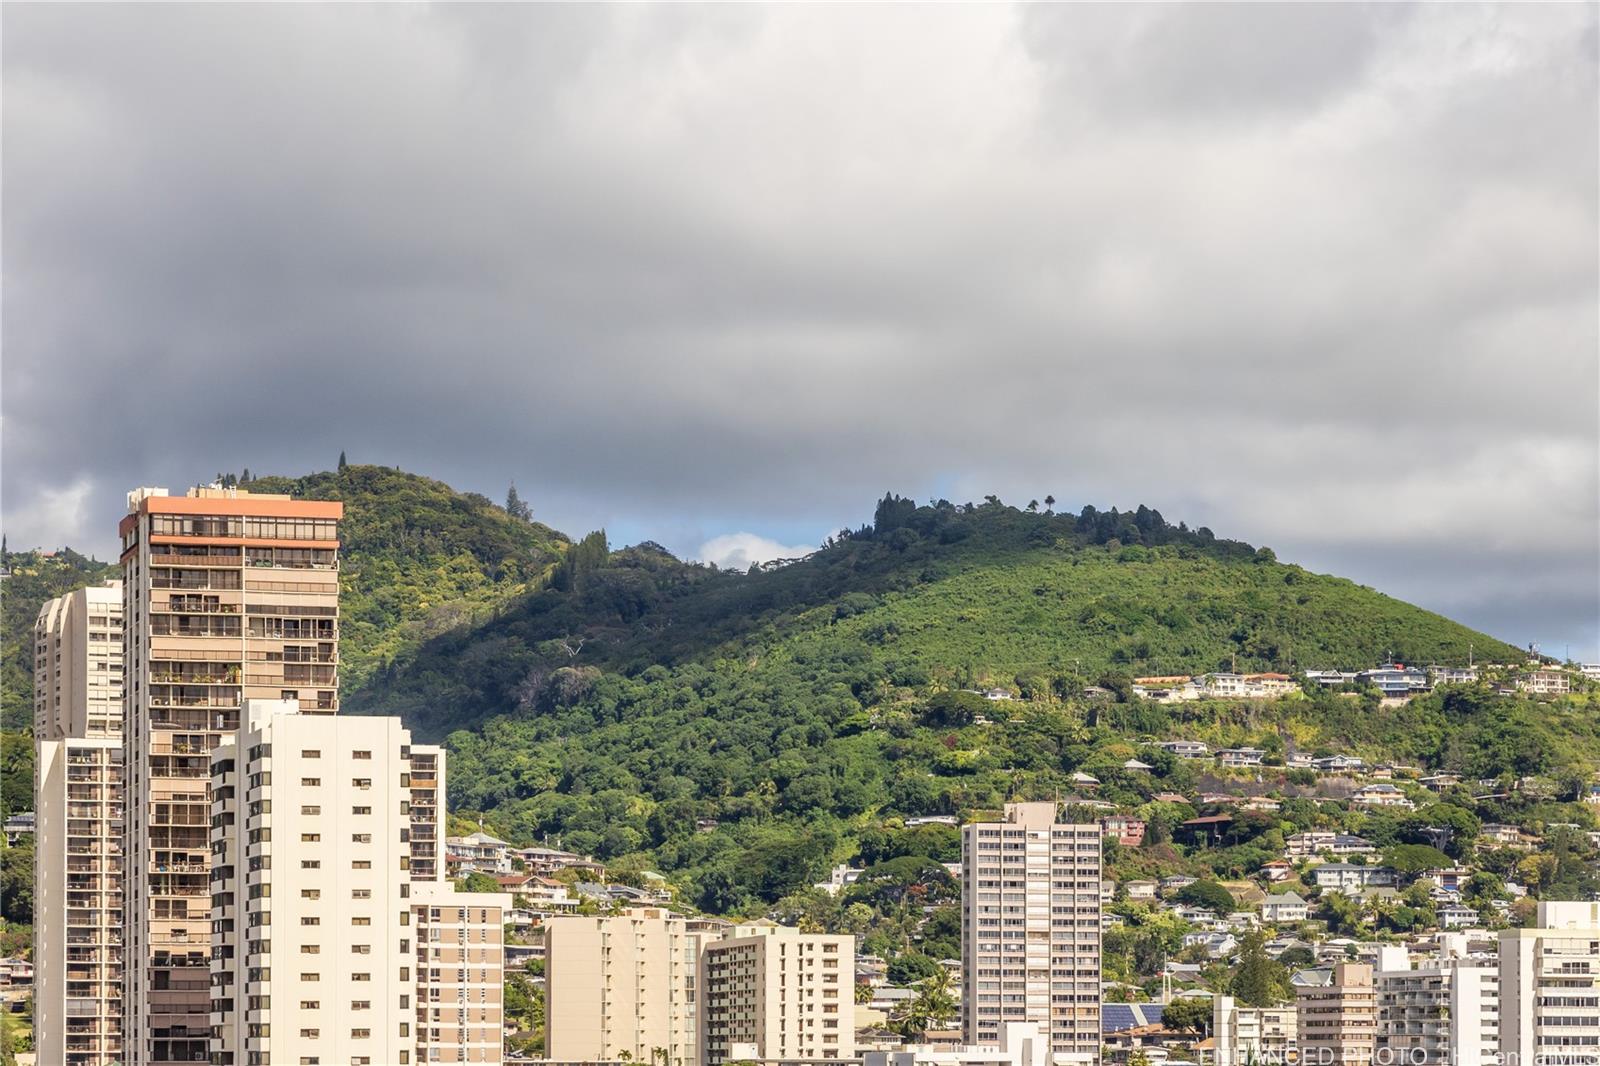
[[1049, 504], [911, 969], [516, 507], [477, 881], [933, 1007], [1257, 979], [1207, 894], [1189, 1014], [16, 883], [342, 461], [1413, 859]]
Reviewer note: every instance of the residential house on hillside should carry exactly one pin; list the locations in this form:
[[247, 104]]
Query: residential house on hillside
[[1284, 909], [1338, 764], [1277, 870], [1187, 749], [1505, 836], [1453, 675], [1349, 879], [1175, 689], [1327, 842], [1241, 756], [1332, 678], [1396, 680], [1545, 682], [1124, 829], [1246, 686], [1381, 794], [479, 851]]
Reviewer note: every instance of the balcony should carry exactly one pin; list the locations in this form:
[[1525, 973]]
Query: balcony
[[197, 560]]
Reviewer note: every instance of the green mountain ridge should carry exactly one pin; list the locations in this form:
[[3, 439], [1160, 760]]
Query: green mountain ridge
[[741, 731]]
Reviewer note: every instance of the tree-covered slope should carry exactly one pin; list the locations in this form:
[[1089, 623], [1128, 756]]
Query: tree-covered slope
[[936, 595], [34, 577]]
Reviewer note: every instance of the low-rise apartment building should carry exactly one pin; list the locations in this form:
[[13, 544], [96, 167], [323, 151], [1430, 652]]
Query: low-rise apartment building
[[773, 993], [1244, 1035]]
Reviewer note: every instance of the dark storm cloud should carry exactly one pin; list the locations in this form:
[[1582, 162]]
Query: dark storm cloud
[[1320, 276]]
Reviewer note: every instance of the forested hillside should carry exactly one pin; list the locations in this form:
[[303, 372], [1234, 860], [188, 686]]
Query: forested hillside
[[936, 596], [743, 731]]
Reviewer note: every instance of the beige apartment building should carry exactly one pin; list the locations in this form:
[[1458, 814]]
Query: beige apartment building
[[772, 993], [78, 805], [77, 665], [1338, 1021], [460, 968], [78, 902], [622, 984], [1252, 1034], [1550, 988], [1030, 929], [324, 949], [227, 596]]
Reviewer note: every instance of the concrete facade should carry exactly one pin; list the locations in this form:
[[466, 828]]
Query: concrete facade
[[1550, 987], [227, 596], [622, 983], [770, 992], [1030, 929]]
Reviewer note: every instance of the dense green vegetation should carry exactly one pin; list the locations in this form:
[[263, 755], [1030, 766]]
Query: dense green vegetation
[[34, 578], [742, 731]]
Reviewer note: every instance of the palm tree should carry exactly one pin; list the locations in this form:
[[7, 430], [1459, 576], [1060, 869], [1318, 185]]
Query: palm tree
[[933, 1007], [1049, 504]]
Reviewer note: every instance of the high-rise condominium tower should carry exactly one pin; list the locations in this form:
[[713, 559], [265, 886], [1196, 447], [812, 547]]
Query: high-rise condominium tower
[[227, 596], [77, 869], [1550, 987], [77, 665], [79, 805], [1030, 928]]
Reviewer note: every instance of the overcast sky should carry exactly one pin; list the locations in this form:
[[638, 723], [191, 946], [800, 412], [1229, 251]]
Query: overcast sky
[[1322, 278]]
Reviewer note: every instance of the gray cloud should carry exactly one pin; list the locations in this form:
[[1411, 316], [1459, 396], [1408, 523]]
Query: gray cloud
[[1322, 277]]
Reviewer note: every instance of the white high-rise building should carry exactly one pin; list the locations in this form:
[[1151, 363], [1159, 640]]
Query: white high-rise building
[[1550, 987], [77, 665], [323, 950], [1445, 1011], [770, 992], [1030, 929], [78, 805]]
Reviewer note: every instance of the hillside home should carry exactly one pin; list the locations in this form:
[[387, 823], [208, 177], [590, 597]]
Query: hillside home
[[1381, 795], [1299, 760], [1327, 842], [1284, 909], [1277, 870], [1261, 803], [1176, 689], [1505, 836], [1186, 749], [1338, 764], [1457, 916], [1141, 889], [1349, 879], [1241, 756], [1396, 680], [1453, 675], [1125, 830], [1545, 682], [1332, 678], [1439, 782], [479, 851]]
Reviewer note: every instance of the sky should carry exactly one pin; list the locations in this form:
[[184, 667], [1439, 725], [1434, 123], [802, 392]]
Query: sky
[[1319, 277]]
